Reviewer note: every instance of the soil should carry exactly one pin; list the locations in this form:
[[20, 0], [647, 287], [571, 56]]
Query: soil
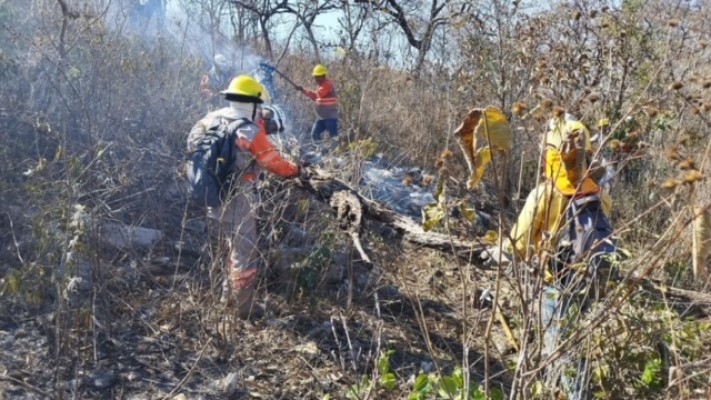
[[150, 326]]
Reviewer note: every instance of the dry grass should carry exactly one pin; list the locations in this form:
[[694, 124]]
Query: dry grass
[[93, 119]]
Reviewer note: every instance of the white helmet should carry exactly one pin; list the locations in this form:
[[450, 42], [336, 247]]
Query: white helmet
[[221, 62]]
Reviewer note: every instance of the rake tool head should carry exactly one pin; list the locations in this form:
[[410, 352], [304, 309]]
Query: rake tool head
[[267, 68]]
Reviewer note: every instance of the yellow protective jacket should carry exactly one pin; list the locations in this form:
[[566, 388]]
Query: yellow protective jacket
[[544, 208]]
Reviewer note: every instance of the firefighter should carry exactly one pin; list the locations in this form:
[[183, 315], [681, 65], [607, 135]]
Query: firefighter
[[326, 103], [214, 80], [237, 216]]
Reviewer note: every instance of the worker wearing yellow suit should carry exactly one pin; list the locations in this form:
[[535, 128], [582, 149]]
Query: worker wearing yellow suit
[[546, 204], [537, 231]]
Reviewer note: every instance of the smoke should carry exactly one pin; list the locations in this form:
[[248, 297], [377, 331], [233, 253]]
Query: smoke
[[189, 25]]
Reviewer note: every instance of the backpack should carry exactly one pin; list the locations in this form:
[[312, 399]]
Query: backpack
[[586, 245], [210, 166]]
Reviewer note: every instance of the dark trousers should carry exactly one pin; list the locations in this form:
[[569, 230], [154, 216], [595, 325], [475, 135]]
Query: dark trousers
[[330, 125]]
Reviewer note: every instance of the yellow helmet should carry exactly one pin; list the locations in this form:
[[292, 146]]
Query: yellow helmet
[[560, 129], [320, 70], [244, 88]]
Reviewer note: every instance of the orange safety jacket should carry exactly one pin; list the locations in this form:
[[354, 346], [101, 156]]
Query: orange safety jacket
[[266, 154], [213, 81], [252, 144], [325, 98]]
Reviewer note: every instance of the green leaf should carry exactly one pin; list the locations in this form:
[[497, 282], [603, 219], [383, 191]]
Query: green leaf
[[435, 212], [496, 394], [537, 390], [384, 362], [416, 396], [458, 377], [652, 374], [388, 381], [433, 215], [421, 382], [448, 387], [478, 393]]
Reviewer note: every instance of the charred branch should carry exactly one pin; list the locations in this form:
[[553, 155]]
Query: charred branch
[[352, 208], [66, 12], [326, 187]]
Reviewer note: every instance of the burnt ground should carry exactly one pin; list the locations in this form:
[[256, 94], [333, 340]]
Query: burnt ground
[[150, 324]]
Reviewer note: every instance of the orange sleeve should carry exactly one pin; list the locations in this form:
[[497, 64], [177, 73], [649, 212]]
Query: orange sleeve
[[204, 88], [310, 94], [322, 91], [269, 158]]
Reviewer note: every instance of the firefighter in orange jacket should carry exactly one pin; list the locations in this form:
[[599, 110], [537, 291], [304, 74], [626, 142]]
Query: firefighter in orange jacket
[[214, 80], [237, 216], [326, 102]]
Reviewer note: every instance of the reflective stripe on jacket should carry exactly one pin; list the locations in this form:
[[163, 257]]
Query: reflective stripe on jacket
[[326, 100]]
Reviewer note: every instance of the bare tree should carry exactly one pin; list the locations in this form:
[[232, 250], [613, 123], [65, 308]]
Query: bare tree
[[352, 23], [306, 13], [264, 11], [210, 15], [406, 15]]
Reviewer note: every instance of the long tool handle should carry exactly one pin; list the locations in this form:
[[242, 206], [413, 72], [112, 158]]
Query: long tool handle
[[287, 78]]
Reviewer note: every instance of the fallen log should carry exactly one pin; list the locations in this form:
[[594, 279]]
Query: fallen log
[[351, 207], [325, 186], [697, 298]]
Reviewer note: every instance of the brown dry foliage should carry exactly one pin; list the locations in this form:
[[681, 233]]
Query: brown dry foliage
[[99, 119]]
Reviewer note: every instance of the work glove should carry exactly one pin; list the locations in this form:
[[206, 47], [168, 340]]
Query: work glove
[[486, 299], [305, 173], [494, 256]]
